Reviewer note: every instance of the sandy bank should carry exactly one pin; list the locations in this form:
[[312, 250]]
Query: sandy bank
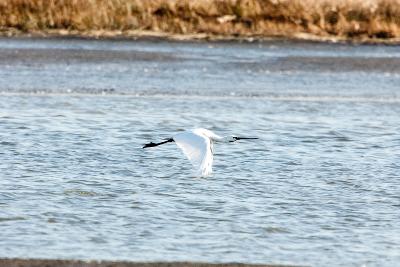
[[160, 36]]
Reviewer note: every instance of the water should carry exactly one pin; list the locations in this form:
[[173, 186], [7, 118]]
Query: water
[[320, 187]]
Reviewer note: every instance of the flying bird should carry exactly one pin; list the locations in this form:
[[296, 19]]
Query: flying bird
[[197, 145]]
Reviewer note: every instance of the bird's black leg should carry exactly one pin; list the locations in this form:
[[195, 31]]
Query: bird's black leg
[[151, 144]]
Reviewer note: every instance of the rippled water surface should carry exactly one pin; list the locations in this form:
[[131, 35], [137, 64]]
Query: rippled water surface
[[320, 187]]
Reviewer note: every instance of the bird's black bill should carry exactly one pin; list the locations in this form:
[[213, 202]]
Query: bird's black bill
[[151, 144], [235, 138]]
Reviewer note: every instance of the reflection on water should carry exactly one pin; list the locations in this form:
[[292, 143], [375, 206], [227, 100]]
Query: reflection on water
[[319, 187]]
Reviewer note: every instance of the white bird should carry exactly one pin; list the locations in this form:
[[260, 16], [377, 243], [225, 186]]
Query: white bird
[[197, 145]]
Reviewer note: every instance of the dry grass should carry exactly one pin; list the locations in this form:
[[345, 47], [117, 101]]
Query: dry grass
[[343, 19]]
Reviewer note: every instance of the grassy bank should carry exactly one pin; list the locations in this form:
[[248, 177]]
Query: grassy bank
[[360, 20]]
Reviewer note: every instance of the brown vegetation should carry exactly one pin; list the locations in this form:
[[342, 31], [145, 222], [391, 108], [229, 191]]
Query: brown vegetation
[[340, 19]]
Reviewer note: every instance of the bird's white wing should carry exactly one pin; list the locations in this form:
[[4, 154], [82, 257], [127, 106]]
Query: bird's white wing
[[197, 149]]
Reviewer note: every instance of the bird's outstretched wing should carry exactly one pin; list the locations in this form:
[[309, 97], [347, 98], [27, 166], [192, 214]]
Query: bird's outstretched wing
[[197, 149]]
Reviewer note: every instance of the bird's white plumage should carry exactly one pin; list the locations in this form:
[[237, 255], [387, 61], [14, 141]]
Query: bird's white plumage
[[197, 146]]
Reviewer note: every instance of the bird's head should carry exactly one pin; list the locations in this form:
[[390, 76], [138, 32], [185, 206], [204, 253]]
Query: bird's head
[[230, 139]]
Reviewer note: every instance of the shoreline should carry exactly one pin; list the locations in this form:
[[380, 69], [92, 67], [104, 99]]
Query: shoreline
[[195, 37], [18, 262]]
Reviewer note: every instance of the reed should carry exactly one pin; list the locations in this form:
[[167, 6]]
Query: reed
[[343, 19]]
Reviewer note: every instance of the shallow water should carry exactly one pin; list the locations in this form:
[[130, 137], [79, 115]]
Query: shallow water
[[320, 187]]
